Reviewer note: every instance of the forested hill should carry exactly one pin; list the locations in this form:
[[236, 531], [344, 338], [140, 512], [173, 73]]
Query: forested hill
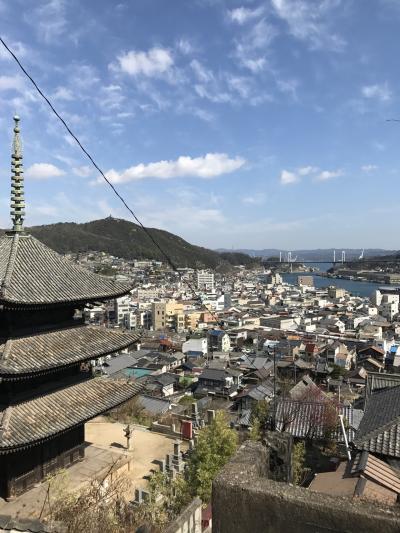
[[126, 239]]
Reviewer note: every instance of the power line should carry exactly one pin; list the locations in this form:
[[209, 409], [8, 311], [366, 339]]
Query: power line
[[113, 188]]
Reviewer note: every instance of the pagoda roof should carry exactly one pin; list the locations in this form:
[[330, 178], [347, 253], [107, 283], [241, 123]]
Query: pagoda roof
[[30, 422], [32, 274], [51, 349]]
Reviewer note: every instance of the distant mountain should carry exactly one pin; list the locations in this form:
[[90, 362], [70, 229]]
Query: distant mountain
[[320, 254], [125, 239]]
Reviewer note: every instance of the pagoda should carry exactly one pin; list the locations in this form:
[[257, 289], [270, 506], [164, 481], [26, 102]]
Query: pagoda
[[47, 388]]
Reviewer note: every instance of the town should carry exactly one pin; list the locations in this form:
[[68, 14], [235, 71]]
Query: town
[[199, 266]]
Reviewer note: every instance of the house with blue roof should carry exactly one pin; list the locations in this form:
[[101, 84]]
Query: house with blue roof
[[218, 340]]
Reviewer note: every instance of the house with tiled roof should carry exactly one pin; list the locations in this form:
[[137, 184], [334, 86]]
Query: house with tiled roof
[[379, 430], [47, 389]]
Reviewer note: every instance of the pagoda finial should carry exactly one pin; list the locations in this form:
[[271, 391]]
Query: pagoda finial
[[17, 182]]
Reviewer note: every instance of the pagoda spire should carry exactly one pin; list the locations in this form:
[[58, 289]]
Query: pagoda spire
[[17, 182]]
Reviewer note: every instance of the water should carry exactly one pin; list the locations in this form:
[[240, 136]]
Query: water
[[358, 288]]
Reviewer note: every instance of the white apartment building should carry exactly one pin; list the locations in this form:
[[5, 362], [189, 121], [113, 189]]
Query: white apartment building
[[205, 280], [195, 345], [124, 313]]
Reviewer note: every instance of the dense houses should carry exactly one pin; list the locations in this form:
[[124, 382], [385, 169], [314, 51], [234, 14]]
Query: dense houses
[[245, 337]]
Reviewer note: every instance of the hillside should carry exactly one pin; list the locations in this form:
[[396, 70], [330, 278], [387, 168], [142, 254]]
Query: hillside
[[125, 239]]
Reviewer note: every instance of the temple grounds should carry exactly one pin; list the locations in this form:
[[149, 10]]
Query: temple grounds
[[106, 445]]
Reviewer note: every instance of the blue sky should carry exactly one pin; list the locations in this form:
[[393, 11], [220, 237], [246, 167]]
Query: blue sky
[[245, 123]]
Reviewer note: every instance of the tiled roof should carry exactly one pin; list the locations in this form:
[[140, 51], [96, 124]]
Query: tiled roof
[[45, 416], [215, 374], [308, 419], [154, 406], [51, 349], [33, 274], [376, 470], [379, 430]]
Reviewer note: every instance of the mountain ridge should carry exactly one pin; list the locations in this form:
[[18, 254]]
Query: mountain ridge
[[122, 238]]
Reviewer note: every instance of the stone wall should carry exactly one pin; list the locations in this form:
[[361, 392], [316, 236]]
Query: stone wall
[[245, 500], [189, 521]]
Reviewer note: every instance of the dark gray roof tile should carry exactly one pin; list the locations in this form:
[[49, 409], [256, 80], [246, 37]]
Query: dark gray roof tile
[[52, 349], [43, 417], [33, 274]]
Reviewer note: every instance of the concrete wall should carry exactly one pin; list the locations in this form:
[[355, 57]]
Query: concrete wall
[[245, 500], [189, 521], [169, 430]]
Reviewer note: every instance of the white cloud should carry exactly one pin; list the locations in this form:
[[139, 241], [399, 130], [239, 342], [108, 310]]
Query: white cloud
[[379, 91], [203, 74], [209, 166], [288, 87], [48, 19], [15, 46], [306, 171], [252, 46], [43, 171], [369, 168], [84, 171], [309, 22], [209, 87], [111, 97], [9, 83], [192, 221], [63, 93], [155, 62], [256, 199], [288, 178], [241, 15], [241, 85], [326, 175], [185, 46]]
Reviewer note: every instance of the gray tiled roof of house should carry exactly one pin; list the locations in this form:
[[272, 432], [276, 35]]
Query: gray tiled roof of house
[[379, 430], [262, 391], [154, 406], [378, 381], [33, 274], [166, 379], [52, 349], [215, 374], [307, 419], [115, 364], [45, 416]]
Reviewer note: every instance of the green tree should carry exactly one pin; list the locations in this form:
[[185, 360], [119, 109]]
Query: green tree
[[298, 461], [216, 443], [255, 430], [337, 371], [259, 420]]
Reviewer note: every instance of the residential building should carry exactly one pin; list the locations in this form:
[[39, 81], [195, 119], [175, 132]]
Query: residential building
[[195, 346], [168, 315], [218, 340], [205, 280]]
